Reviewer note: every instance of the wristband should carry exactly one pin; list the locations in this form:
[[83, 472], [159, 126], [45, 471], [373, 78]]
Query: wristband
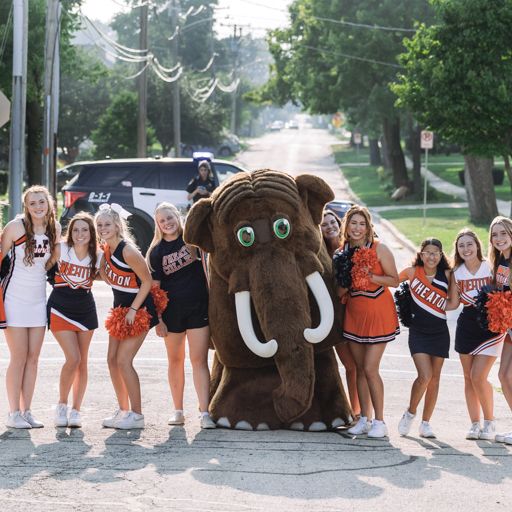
[[134, 309]]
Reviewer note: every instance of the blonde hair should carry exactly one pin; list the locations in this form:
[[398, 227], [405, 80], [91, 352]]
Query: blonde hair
[[457, 258], [158, 235], [123, 230], [49, 220], [357, 210], [494, 254]]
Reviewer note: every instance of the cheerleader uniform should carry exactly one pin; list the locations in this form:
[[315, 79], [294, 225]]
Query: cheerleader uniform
[[3, 323], [470, 338], [428, 332], [24, 286], [503, 283], [71, 305], [124, 281], [370, 315], [183, 278]]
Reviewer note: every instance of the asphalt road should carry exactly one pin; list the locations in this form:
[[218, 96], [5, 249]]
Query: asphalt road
[[184, 468]]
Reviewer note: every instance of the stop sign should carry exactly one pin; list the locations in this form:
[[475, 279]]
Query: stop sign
[[5, 109]]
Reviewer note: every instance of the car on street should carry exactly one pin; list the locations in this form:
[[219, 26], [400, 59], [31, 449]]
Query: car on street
[[228, 146], [276, 126], [339, 207], [292, 125]]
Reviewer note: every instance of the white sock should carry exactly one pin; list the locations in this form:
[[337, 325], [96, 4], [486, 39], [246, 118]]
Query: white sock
[[205, 413]]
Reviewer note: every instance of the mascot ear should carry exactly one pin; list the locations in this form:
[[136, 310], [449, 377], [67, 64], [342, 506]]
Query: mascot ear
[[315, 193], [197, 226]]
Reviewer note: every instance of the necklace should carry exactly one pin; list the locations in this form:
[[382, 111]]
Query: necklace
[[433, 275]]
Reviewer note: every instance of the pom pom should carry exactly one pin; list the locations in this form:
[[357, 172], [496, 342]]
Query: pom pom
[[498, 306], [403, 302], [50, 274], [363, 260], [160, 298], [342, 261], [117, 327], [480, 303]]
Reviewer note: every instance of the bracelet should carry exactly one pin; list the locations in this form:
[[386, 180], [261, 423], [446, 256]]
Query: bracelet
[[134, 309]]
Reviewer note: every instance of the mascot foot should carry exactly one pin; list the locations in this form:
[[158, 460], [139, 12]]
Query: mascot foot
[[262, 426], [317, 426], [243, 425], [223, 423], [337, 422], [297, 426]]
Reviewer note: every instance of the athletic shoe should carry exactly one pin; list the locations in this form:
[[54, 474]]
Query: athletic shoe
[[426, 430], [500, 438], [488, 433], [405, 424], [361, 427], [207, 422], [16, 420], [110, 421], [61, 415], [131, 420], [474, 431], [177, 418], [27, 416], [378, 429], [75, 421], [508, 438]]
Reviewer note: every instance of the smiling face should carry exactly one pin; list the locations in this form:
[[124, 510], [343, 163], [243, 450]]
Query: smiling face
[[36, 205], [501, 240], [357, 229], [80, 233], [106, 227], [430, 256], [168, 223], [330, 228], [467, 248]]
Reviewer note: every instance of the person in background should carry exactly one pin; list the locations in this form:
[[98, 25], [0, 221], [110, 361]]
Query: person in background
[[203, 184]]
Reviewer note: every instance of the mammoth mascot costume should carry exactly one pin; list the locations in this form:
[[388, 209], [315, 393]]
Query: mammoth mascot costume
[[271, 312]]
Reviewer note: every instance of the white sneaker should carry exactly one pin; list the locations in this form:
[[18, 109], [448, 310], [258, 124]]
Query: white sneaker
[[500, 438], [378, 429], [16, 420], [177, 418], [61, 415], [207, 422], [131, 420], [110, 421], [361, 427], [488, 433], [27, 416], [508, 438], [474, 431], [426, 430], [405, 424], [75, 420]]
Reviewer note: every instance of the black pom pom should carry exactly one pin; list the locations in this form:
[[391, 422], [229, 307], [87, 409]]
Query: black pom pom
[[50, 274], [343, 267], [480, 302], [5, 267], [403, 301]]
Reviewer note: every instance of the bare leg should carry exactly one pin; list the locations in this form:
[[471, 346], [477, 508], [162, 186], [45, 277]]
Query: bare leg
[[347, 360], [432, 388], [479, 374], [198, 340], [115, 374], [82, 373], [35, 342], [175, 346], [472, 401], [505, 372], [423, 365], [68, 341], [17, 341], [375, 385], [358, 351]]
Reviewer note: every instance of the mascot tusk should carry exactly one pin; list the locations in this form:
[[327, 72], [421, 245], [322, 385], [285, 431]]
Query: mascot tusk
[[324, 301], [244, 319]]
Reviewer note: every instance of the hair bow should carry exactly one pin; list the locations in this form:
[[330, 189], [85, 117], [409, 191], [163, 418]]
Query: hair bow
[[124, 214]]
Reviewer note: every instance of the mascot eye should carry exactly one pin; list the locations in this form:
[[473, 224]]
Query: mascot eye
[[245, 236], [282, 228]]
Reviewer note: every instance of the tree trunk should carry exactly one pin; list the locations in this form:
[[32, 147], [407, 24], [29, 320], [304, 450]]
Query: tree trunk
[[34, 143], [480, 189], [413, 146], [385, 153], [375, 158], [508, 170], [395, 153]]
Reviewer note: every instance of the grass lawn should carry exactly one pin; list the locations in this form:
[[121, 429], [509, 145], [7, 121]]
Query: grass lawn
[[441, 223]]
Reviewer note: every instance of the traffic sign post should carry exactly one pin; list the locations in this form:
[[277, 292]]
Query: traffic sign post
[[426, 143], [357, 141]]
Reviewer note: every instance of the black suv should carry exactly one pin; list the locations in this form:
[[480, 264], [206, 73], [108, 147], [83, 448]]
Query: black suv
[[138, 185]]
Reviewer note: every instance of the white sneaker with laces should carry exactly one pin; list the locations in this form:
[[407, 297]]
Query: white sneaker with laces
[[474, 431], [508, 438], [16, 420], [488, 433], [131, 420], [61, 415], [426, 430], [27, 416], [405, 424], [176, 418], [361, 427], [75, 420], [378, 429], [110, 421], [207, 422], [500, 438]]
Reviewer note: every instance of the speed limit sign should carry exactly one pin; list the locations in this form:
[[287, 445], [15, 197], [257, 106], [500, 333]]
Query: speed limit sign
[[427, 139]]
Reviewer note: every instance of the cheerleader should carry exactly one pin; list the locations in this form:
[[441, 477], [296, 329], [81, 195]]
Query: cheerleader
[[500, 255], [71, 312], [28, 241], [178, 270], [478, 348], [370, 318], [331, 232], [125, 270], [429, 339]]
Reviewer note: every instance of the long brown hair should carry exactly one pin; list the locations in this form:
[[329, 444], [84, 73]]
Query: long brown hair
[[50, 228], [457, 259], [338, 221], [443, 264], [92, 247], [495, 255], [357, 210]]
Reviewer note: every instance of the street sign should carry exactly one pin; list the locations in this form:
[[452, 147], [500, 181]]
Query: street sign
[[5, 109], [427, 139], [357, 138]]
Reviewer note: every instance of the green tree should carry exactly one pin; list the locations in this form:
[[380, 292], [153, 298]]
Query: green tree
[[457, 80]]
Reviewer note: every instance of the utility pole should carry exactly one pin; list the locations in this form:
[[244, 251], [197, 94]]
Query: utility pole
[[235, 49], [18, 106], [143, 86], [51, 89], [174, 9]]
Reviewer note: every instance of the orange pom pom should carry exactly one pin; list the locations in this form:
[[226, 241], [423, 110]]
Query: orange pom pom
[[499, 311], [160, 298], [363, 260], [117, 327]]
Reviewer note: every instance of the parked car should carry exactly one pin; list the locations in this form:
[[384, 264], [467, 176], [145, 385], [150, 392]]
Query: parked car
[[138, 185], [292, 125], [228, 146], [276, 126], [339, 207]]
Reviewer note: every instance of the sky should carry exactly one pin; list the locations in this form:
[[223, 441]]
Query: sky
[[255, 16]]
